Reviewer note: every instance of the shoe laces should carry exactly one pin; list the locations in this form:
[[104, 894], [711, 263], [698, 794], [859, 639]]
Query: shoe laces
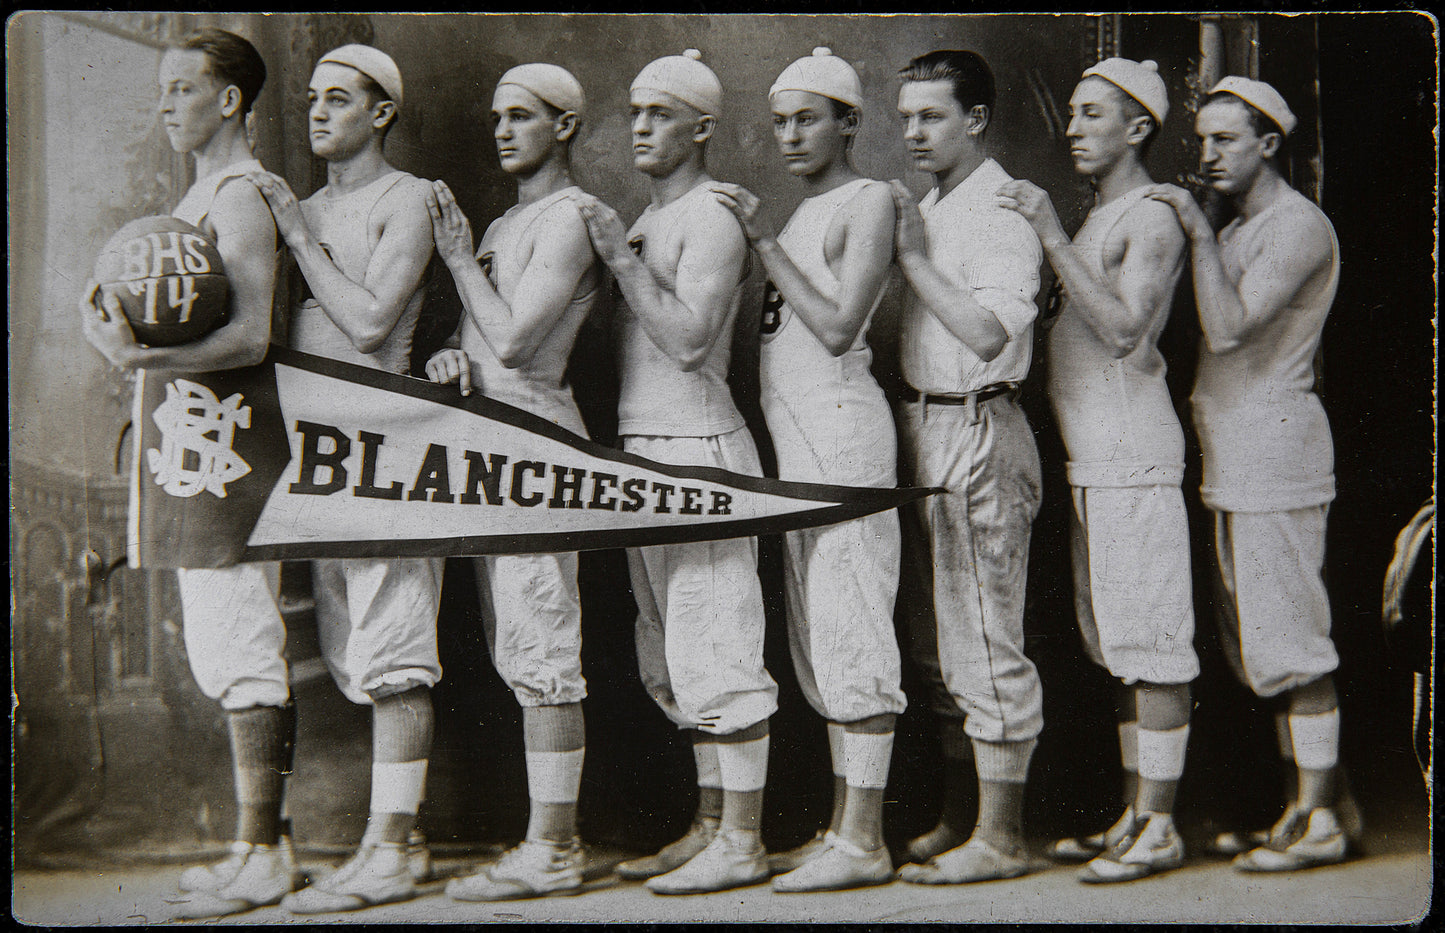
[[529, 852], [229, 867], [1290, 829], [354, 865]]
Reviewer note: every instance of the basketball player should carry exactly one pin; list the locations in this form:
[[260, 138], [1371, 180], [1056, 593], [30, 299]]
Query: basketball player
[[972, 269], [700, 607], [362, 243], [1264, 288], [231, 625], [1126, 452], [525, 301], [830, 423]]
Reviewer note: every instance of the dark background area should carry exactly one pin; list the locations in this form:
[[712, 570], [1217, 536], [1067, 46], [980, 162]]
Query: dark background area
[[108, 765]]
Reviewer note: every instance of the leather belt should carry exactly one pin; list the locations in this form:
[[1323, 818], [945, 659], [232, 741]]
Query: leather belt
[[910, 394]]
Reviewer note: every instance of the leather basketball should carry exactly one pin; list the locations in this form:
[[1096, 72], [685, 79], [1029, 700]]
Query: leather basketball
[[169, 279]]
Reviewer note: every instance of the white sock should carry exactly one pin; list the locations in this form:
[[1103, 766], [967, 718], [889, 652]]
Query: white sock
[[867, 756], [397, 786], [837, 751], [709, 773], [743, 765], [1316, 739], [1161, 753], [554, 777]]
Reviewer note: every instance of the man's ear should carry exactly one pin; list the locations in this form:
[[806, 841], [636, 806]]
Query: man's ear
[[230, 101], [383, 113], [852, 120], [1271, 143], [1139, 129], [706, 124], [977, 119], [566, 125]]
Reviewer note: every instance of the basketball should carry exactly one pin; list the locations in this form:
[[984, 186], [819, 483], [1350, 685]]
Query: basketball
[[169, 279]]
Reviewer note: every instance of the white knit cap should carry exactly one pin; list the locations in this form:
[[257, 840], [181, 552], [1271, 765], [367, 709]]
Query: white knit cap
[[684, 77], [552, 84], [822, 73], [1140, 80], [1263, 97], [374, 63]]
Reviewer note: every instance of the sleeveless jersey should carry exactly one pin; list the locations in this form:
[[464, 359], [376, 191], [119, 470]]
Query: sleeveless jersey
[[1264, 434], [195, 209], [829, 420], [342, 224], [1116, 415], [539, 386], [657, 397]]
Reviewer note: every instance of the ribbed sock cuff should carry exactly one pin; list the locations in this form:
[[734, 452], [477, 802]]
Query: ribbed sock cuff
[[554, 728], [401, 726], [1003, 761]]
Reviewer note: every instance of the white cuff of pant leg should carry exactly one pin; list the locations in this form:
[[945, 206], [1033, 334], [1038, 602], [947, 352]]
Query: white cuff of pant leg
[[1006, 762], [1316, 739], [554, 777], [1161, 753], [837, 751], [867, 757], [709, 773], [743, 765], [397, 786], [1129, 746]]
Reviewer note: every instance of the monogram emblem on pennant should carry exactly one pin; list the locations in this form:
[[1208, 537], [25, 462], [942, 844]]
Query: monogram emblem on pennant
[[196, 434]]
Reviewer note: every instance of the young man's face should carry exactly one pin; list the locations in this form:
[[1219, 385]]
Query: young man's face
[[935, 125], [524, 129], [341, 111], [191, 99], [1231, 153], [809, 136], [1098, 128], [663, 128]]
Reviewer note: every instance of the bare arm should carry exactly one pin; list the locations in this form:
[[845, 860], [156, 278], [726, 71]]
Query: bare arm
[[1118, 308], [683, 320], [366, 311], [561, 255], [246, 240], [1230, 312], [957, 309], [834, 317]]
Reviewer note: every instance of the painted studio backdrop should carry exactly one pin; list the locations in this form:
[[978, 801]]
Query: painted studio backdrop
[[116, 751]]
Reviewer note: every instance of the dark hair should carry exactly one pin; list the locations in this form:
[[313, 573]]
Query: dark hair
[[1259, 121], [966, 71], [375, 94], [231, 60], [1134, 110]]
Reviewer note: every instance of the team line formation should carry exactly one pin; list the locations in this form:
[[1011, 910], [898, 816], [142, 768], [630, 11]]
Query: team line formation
[[970, 253]]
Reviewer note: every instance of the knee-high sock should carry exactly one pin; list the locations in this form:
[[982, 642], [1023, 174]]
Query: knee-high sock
[[555, 741], [263, 742], [401, 741]]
